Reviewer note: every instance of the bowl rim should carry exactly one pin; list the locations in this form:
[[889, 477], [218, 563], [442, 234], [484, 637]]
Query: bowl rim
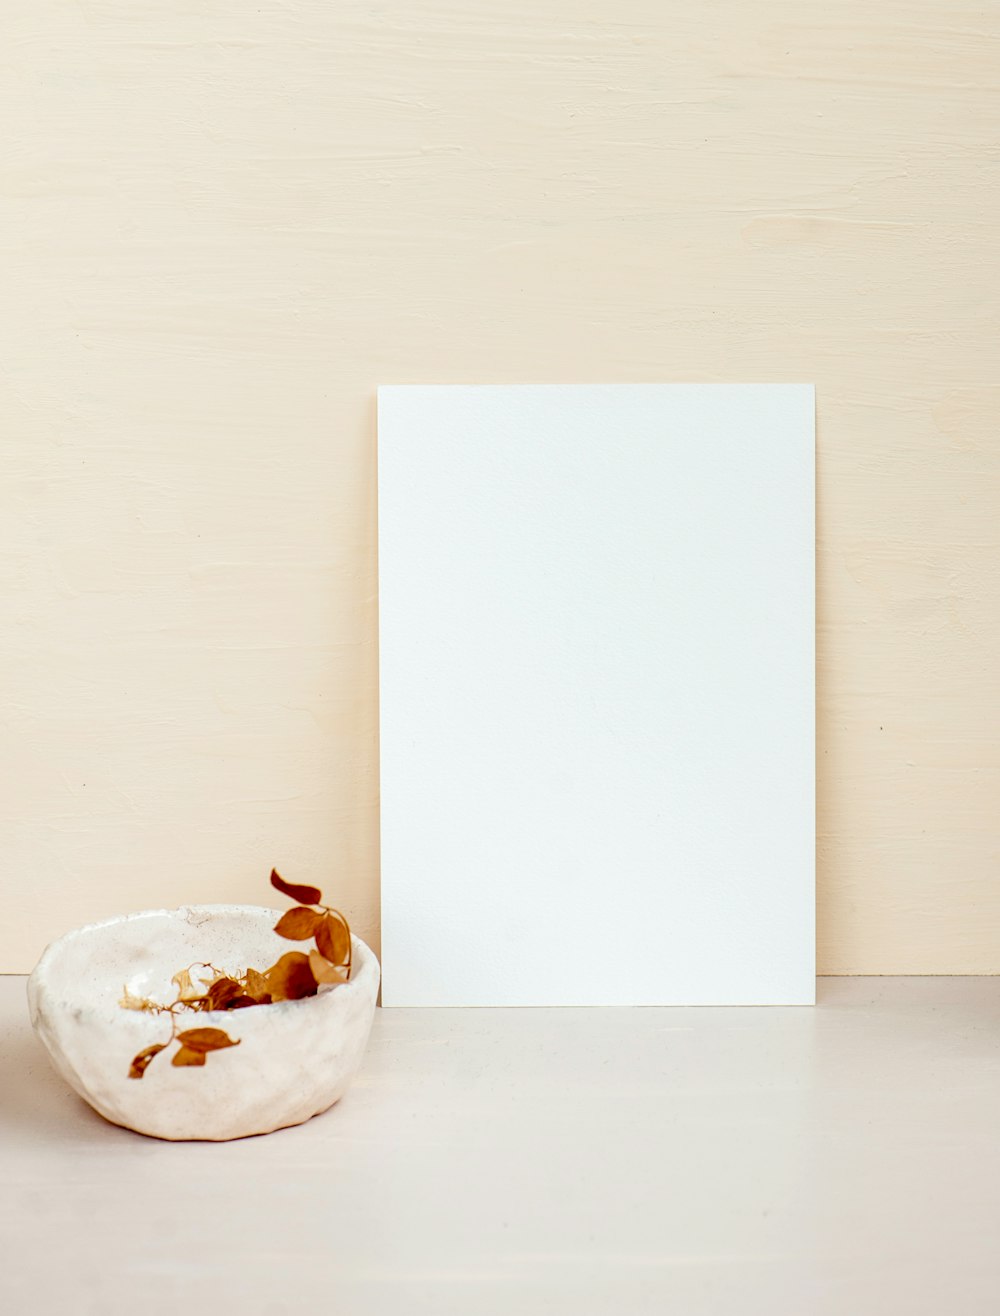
[[364, 961]]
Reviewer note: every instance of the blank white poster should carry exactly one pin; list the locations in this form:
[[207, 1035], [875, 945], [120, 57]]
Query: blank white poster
[[597, 694]]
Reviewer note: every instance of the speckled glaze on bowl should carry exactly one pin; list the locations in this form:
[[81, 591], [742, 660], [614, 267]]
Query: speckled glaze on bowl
[[294, 1058]]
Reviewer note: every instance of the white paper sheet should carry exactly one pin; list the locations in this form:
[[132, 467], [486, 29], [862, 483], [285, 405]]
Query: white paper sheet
[[597, 694]]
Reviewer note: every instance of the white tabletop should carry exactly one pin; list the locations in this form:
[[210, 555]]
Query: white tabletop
[[843, 1159]]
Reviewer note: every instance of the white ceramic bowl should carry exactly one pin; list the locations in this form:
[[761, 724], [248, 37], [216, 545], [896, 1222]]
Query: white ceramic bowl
[[294, 1058]]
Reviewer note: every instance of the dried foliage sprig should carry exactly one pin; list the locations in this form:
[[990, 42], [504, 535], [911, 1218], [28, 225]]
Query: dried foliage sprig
[[295, 975]]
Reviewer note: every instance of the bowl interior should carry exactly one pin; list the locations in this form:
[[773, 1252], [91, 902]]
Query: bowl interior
[[142, 952]]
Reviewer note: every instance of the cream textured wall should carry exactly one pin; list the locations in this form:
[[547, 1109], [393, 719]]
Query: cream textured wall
[[223, 224]]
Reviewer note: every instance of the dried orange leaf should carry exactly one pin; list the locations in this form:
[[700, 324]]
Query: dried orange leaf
[[221, 992], [257, 986], [305, 895], [333, 937], [205, 1039], [185, 1056], [298, 924], [291, 978], [241, 1002], [323, 971], [140, 1063]]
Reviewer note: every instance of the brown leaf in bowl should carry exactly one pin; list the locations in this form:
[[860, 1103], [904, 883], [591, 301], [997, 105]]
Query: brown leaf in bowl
[[256, 986], [222, 992], [185, 1056], [325, 972], [141, 1062], [333, 938], [291, 978], [205, 1039], [305, 895], [298, 924]]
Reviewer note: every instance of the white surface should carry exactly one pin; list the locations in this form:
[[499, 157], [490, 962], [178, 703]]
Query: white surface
[[292, 1059], [842, 1161], [597, 748]]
